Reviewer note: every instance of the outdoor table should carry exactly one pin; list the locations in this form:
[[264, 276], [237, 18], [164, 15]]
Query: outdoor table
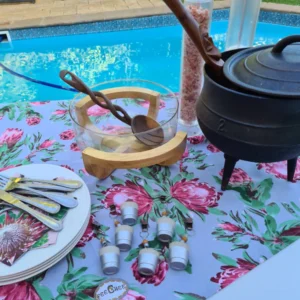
[[234, 231]]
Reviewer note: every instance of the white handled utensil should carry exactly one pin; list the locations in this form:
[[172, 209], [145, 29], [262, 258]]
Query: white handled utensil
[[46, 205], [68, 184], [46, 220], [62, 199]]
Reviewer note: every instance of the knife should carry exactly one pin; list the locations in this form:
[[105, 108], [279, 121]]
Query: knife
[[55, 225], [71, 184], [46, 205], [47, 187]]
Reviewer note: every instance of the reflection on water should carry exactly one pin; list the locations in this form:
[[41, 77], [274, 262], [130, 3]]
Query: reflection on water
[[152, 54]]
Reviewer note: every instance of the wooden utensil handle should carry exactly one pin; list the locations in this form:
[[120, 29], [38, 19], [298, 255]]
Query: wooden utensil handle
[[101, 164], [199, 36]]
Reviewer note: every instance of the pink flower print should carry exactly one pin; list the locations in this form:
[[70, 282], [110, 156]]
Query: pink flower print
[[11, 136]]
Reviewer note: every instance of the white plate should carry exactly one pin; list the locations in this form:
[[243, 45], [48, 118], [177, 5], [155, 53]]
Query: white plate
[[44, 266], [74, 221]]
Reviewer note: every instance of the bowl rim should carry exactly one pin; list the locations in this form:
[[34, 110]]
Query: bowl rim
[[74, 101]]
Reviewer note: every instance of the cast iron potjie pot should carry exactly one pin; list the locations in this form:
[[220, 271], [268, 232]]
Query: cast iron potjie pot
[[250, 103]]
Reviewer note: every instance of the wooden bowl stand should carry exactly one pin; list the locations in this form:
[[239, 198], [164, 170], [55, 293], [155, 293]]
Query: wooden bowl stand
[[101, 164]]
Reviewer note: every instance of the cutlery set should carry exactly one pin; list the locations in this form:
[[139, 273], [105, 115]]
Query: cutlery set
[[45, 195]]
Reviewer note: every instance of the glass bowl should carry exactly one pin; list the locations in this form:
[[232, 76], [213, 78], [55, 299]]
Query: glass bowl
[[101, 130]]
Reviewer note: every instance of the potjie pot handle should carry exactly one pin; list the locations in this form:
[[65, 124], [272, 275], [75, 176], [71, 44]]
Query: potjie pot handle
[[282, 44]]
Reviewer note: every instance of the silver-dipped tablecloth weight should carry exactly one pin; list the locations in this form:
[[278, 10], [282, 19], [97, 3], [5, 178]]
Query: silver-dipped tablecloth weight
[[165, 229], [123, 237], [110, 260], [179, 255], [129, 212], [147, 261]]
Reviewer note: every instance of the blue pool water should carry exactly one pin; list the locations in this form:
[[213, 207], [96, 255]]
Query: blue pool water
[[152, 54]]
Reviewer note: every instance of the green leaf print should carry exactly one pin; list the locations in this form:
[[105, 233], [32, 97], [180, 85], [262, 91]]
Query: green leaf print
[[273, 209], [133, 253], [263, 190], [225, 260], [188, 268], [117, 180], [188, 296], [11, 113], [295, 206], [43, 291], [249, 259], [290, 210], [271, 225], [2, 218], [251, 220], [43, 240], [216, 211], [77, 252]]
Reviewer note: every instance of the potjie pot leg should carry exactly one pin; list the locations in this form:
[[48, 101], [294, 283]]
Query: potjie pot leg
[[230, 163], [292, 164]]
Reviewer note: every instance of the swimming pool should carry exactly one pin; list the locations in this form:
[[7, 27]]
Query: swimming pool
[[152, 54]]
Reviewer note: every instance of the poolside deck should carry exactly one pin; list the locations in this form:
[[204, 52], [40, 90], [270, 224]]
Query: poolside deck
[[54, 12]]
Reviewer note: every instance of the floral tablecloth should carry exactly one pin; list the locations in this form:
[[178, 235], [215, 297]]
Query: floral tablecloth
[[234, 231]]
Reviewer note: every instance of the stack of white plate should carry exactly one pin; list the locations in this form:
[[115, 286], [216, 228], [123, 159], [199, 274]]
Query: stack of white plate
[[75, 223]]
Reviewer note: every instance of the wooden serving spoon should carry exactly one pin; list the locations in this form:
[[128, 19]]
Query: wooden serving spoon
[[198, 35], [140, 124]]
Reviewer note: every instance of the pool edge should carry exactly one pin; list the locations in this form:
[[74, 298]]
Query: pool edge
[[160, 20]]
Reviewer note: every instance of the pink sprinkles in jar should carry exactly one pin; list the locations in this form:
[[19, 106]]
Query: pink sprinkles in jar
[[192, 69]]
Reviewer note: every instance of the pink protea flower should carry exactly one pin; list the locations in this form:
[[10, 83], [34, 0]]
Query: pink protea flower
[[115, 129], [60, 112], [279, 169], [118, 194], [133, 295], [213, 148], [294, 231], [74, 147], [17, 236], [46, 144], [238, 177], [195, 195], [11, 136], [32, 121], [67, 134], [21, 290], [146, 103], [39, 103], [97, 111], [156, 279], [195, 140], [88, 235], [230, 274], [231, 227], [67, 167], [8, 167], [186, 153]]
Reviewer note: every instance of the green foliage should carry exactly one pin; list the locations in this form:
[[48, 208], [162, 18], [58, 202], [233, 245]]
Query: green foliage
[[225, 260]]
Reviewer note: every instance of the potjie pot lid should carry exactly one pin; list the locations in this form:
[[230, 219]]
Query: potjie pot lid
[[268, 70]]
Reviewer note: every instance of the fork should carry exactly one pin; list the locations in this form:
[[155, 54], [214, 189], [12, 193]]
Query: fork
[[64, 200], [50, 185]]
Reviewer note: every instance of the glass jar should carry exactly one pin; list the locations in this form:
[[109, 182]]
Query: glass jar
[[192, 65], [242, 23]]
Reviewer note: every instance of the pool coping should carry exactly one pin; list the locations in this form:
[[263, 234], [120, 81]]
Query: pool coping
[[289, 19], [126, 14]]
